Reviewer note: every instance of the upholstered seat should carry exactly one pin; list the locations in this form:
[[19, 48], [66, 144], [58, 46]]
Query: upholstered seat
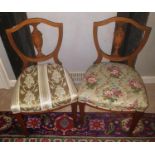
[[43, 87], [113, 86]]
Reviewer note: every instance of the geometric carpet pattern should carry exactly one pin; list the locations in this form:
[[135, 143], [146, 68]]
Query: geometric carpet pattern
[[58, 126]]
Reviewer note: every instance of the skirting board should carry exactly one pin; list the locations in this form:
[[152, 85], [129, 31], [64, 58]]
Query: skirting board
[[12, 83], [146, 79], [4, 80]]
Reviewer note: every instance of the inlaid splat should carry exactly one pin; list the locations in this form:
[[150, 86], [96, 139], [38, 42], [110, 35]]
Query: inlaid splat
[[119, 35], [37, 39]]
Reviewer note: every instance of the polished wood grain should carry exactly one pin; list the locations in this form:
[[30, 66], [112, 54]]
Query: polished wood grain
[[118, 39], [135, 119], [82, 112], [74, 112], [37, 40], [22, 123]]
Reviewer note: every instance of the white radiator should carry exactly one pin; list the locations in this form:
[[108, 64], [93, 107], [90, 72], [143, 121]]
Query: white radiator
[[77, 76], [4, 80]]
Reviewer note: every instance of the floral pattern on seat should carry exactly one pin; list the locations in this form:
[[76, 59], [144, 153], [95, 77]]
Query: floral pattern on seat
[[113, 86], [43, 87]]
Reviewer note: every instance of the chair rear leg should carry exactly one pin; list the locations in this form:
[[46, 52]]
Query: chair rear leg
[[74, 113], [82, 113], [22, 123], [136, 117]]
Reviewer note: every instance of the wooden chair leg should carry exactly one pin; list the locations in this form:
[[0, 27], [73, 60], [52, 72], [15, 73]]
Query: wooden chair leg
[[22, 123], [74, 113], [136, 117], [82, 113]]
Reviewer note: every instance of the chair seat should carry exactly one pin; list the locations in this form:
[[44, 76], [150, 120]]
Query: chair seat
[[43, 87], [113, 86]]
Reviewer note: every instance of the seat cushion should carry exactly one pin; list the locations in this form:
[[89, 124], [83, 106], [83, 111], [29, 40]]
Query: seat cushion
[[113, 86], [43, 87]]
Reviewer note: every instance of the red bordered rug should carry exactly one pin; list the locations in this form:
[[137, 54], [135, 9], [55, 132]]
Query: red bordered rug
[[97, 126]]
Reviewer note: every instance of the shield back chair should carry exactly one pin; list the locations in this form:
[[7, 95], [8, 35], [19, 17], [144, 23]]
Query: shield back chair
[[45, 87], [112, 86]]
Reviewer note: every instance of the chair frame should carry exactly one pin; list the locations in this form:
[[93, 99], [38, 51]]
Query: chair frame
[[115, 57], [37, 41]]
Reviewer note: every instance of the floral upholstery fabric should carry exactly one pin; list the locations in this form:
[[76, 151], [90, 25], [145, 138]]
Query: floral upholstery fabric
[[113, 86], [43, 87]]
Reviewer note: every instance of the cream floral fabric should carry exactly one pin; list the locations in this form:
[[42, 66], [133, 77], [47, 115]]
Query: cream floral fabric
[[43, 87], [113, 86]]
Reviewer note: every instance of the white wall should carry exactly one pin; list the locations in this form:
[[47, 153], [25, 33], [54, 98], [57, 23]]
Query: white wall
[[77, 51], [6, 61], [146, 60]]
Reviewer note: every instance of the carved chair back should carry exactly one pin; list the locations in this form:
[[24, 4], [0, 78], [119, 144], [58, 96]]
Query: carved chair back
[[119, 36], [37, 40]]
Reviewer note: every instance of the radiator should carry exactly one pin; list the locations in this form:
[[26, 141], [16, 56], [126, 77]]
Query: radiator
[[77, 76]]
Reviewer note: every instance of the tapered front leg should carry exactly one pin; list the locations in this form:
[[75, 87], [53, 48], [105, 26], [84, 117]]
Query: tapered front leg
[[74, 113], [82, 113], [136, 117], [22, 123]]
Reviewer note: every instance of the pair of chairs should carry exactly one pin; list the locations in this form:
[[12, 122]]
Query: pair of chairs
[[110, 86]]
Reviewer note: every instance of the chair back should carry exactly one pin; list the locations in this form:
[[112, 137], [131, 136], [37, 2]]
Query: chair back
[[37, 40], [119, 36]]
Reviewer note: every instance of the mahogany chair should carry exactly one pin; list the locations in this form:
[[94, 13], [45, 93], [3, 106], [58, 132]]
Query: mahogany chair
[[112, 86], [45, 87]]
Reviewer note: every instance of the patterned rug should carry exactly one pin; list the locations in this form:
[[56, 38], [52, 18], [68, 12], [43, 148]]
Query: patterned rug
[[59, 127], [43, 138]]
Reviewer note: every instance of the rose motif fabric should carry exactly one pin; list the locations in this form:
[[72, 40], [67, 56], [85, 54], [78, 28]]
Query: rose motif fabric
[[113, 86], [43, 87]]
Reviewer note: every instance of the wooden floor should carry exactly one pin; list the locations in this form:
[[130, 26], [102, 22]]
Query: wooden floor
[[5, 100]]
